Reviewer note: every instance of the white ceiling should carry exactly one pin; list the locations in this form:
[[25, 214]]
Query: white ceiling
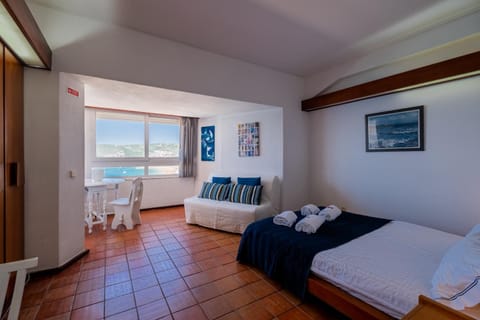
[[295, 36], [127, 96]]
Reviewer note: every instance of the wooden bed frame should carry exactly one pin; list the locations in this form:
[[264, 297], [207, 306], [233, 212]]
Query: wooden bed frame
[[343, 301]]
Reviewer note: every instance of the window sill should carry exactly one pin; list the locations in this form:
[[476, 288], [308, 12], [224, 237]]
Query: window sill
[[155, 178]]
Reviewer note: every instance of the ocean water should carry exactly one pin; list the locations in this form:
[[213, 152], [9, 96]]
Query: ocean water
[[397, 136], [120, 172], [124, 172]]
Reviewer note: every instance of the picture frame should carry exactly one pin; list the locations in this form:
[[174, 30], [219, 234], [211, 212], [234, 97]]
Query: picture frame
[[207, 137], [395, 130], [249, 139]]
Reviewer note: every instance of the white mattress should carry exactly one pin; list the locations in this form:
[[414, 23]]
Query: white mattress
[[387, 268]]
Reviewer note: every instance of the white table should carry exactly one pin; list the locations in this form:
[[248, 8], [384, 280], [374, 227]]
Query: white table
[[97, 200]]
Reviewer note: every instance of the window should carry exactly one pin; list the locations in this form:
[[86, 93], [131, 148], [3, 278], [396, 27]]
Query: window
[[129, 145], [164, 135], [119, 135]]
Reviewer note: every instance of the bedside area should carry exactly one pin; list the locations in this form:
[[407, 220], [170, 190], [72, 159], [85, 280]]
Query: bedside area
[[430, 309]]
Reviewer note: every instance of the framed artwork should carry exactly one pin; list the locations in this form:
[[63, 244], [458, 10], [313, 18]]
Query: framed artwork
[[249, 139], [208, 143], [396, 130]]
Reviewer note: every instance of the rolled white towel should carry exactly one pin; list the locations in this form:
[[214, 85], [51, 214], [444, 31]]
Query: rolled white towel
[[309, 209], [331, 212], [286, 218], [310, 223]]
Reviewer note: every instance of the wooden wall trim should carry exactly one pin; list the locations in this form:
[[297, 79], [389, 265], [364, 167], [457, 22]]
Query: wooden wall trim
[[2, 159], [19, 11], [460, 67]]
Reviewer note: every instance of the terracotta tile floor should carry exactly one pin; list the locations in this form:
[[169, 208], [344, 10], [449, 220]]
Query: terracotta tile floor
[[163, 269]]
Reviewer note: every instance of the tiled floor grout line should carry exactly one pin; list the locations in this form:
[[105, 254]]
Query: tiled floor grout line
[[131, 283], [159, 284]]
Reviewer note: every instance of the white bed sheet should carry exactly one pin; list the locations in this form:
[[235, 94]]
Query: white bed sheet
[[387, 268]]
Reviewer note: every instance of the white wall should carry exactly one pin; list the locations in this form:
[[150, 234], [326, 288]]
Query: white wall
[[71, 154], [438, 187], [270, 161], [449, 40], [163, 192], [88, 47], [41, 166], [53, 200]]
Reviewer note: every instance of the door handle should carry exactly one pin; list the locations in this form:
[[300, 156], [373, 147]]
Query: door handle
[[13, 174]]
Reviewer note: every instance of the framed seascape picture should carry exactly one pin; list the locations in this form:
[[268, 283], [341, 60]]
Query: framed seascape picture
[[249, 139], [396, 130], [208, 143]]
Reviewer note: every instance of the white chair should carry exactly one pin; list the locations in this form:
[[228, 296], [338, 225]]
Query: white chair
[[6, 269], [127, 210]]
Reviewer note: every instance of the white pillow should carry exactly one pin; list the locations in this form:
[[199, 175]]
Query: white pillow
[[457, 279]]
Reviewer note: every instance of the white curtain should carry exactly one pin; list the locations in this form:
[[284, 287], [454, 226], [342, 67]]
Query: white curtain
[[188, 147]]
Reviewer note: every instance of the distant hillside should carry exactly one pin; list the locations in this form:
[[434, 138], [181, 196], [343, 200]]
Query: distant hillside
[[137, 150]]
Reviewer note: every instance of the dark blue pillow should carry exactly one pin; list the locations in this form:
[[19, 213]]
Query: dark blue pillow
[[222, 180], [250, 181]]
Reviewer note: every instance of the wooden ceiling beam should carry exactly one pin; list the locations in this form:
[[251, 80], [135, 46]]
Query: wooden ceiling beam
[[20, 13], [460, 67]]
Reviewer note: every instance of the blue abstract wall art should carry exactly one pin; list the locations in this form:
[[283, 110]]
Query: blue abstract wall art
[[208, 143]]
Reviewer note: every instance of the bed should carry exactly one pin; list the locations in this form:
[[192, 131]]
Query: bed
[[358, 274]]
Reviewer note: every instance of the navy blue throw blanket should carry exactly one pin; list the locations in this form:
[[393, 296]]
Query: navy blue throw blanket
[[286, 255]]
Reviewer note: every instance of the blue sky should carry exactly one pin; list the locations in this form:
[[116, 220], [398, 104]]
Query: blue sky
[[131, 132]]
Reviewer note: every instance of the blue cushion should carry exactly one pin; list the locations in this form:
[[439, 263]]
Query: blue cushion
[[214, 191], [243, 193], [222, 180], [250, 181]]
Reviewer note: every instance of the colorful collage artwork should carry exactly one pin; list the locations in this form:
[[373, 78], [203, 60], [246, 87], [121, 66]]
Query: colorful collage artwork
[[249, 139]]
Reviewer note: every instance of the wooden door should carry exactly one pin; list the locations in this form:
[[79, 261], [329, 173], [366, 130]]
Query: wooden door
[[2, 180], [14, 158]]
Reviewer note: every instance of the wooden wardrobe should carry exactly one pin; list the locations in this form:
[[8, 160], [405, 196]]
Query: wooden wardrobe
[[11, 157]]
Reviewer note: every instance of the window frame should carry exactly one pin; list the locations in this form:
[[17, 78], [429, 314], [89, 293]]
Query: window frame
[[146, 161]]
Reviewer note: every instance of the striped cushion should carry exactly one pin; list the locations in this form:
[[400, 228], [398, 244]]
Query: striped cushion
[[242, 193], [214, 191]]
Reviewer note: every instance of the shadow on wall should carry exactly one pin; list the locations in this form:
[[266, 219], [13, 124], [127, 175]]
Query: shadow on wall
[[125, 55]]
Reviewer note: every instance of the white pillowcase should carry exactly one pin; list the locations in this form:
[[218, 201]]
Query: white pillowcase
[[457, 279]]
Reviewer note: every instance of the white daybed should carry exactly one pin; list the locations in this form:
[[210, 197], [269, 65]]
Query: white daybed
[[230, 216]]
